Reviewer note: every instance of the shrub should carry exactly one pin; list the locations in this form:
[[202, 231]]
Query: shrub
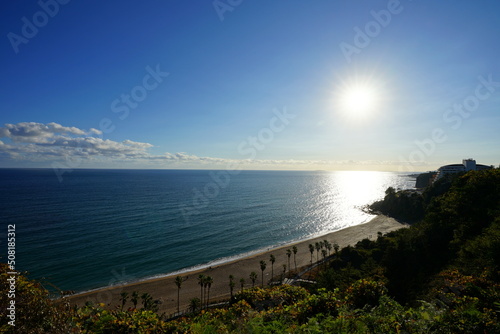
[[34, 311]]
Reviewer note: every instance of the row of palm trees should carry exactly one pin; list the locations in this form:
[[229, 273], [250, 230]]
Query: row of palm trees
[[325, 247], [205, 282], [289, 252], [147, 300]]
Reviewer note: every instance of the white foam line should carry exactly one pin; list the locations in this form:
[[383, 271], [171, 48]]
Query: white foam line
[[224, 260]]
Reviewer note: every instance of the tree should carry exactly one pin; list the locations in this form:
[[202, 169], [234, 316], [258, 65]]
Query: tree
[[328, 247], [124, 297], [178, 282], [311, 250], [231, 285], [288, 253], [262, 268], [208, 282], [135, 298], [148, 304], [253, 278], [194, 304], [316, 245], [390, 191], [201, 283], [242, 283], [336, 247], [294, 250], [272, 259], [147, 301]]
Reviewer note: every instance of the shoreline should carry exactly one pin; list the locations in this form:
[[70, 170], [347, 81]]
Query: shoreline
[[164, 288], [222, 260]]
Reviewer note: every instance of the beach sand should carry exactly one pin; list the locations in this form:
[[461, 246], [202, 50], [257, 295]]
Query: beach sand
[[165, 289]]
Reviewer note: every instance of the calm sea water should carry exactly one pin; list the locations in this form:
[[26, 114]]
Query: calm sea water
[[103, 227]]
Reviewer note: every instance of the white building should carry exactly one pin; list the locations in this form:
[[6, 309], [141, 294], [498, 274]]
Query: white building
[[467, 165]]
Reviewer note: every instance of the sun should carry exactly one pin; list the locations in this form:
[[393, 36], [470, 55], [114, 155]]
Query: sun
[[359, 98], [358, 101]]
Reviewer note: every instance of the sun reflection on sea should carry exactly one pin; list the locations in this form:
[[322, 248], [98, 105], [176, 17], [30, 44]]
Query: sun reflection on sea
[[359, 187], [345, 194]]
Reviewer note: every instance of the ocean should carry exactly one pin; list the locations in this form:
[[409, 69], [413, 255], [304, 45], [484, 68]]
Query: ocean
[[95, 228]]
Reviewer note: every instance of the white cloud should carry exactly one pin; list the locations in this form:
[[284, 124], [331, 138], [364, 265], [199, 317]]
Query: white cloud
[[41, 142], [31, 132], [45, 143], [93, 131]]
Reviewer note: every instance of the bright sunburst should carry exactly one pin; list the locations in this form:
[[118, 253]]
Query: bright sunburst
[[358, 100]]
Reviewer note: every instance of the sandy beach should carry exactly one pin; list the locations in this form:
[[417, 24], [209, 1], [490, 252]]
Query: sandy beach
[[165, 289]]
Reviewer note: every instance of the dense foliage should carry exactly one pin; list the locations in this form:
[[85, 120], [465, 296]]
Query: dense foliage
[[460, 230], [441, 275], [404, 205], [33, 311], [424, 180], [409, 205]]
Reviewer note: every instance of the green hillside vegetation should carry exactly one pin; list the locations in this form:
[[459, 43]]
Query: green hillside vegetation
[[440, 275]]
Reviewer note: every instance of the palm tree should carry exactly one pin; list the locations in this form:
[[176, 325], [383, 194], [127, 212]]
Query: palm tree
[[146, 300], [178, 282], [201, 283], [208, 281], [288, 253], [294, 250], [272, 259], [316, 245], [231, 285], [253, 278], [262, 268], [311, 250], [336, 247], [135, 298], [328, 246], [323, 252], [242, 283], [124, 297], [194, 304]]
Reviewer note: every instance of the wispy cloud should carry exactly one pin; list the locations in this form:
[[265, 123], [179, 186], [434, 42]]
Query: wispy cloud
[[38, 143]]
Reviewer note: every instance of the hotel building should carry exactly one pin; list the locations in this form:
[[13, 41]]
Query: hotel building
[[467, 165]]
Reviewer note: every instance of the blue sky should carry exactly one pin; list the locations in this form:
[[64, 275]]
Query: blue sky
[[253, 84]]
